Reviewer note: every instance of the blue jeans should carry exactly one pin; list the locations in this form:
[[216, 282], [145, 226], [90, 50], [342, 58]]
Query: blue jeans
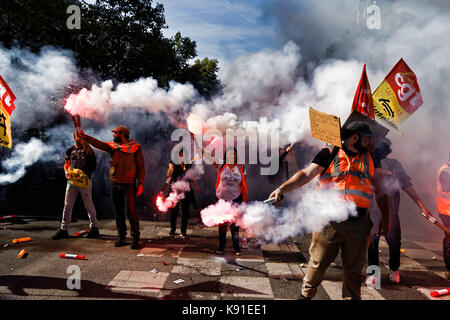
[[71, 195]]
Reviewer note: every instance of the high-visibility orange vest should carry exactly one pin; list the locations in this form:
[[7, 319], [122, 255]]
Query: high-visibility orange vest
[[351, 176], [129, 147], [243, 182], [443, 198]]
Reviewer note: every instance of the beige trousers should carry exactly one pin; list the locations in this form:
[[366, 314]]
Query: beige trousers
[[352, 238]]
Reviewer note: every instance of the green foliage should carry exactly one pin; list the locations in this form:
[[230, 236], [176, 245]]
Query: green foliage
[[204, 76], [119, 39]]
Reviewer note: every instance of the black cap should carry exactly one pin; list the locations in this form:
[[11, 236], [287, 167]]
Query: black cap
[[360, 127]]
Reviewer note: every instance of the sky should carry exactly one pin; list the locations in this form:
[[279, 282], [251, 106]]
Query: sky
[[223, 30]]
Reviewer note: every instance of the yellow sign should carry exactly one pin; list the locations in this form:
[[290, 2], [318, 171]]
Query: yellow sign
[[5, 128], [325, 127]]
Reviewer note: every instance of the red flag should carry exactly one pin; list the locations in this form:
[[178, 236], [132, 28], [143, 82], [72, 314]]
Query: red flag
[[362, 102], [7, 97]]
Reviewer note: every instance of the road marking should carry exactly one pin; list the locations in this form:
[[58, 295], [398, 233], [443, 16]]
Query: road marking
[[138, 281]]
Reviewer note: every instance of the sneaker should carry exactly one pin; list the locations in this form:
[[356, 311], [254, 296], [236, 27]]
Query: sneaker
[[135, 245], [172, 233], [184, 236], [219, 252], [93, 233], [394, 277], [238, 253], [61, 234], [120, 242]]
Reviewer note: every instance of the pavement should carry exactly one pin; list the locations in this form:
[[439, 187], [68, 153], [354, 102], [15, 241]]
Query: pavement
[[269, 272]]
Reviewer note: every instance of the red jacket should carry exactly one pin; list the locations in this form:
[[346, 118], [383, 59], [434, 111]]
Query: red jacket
[[127, 160]]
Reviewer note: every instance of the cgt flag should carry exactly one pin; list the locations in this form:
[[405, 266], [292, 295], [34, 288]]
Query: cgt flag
[[362, 102], [6, 108], [398, 96]]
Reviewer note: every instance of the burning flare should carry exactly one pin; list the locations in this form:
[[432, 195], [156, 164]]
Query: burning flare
[[178, 193]]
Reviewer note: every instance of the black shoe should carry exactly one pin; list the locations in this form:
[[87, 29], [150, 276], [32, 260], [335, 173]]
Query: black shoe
[[184, 236], [120, 243], [61, 234], [135, 244], [172, 233], [302, 297], [93, 233]]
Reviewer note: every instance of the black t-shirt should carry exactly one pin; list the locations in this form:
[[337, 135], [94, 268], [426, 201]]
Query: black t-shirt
[[79, 159], [178, 171], [323, 158]]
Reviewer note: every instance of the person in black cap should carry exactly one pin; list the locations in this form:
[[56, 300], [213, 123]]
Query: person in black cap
[[350, 171], [127, 166]]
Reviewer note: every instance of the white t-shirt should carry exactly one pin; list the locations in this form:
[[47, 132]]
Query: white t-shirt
[[230, 184]]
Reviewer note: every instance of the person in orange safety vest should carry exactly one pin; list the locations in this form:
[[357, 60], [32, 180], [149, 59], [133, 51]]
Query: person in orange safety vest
[[443, 208], [350, 171]]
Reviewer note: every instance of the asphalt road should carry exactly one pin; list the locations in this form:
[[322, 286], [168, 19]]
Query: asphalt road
[[268, 272]]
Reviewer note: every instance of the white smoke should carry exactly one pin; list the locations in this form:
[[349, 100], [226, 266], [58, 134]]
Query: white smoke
[[307, 212], [34, 79], [270, 94], [273, 89], [413, 29], [24, 155], [101, 101]]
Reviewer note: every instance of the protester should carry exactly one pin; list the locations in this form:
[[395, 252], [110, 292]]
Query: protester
[[177, 172], [126, 166], [231, 185], [394, 179], [79, 164], [351, 171], [443, 208]]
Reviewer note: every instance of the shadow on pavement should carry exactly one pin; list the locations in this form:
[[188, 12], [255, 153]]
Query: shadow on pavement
[[207, 287], [17, 283]]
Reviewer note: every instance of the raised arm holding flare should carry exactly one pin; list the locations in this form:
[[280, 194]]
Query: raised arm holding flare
[[127, 166]]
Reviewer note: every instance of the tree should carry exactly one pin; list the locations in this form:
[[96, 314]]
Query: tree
[[204, 76], [119, 39]]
